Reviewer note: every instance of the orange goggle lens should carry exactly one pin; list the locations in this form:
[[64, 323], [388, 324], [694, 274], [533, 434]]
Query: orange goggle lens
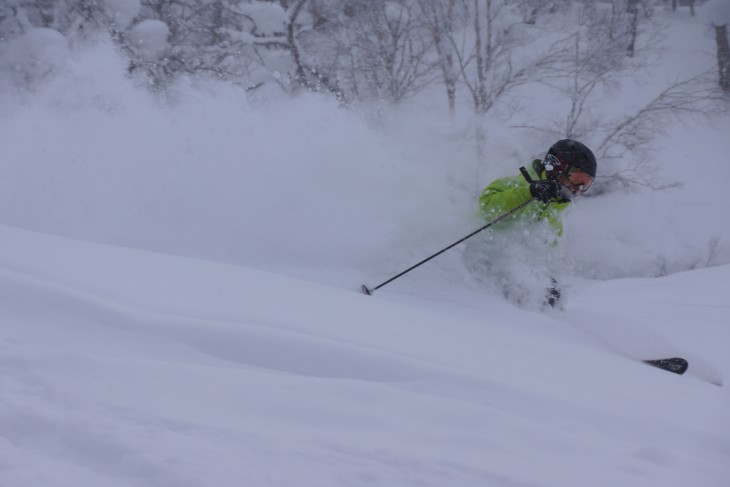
[[578, 180]]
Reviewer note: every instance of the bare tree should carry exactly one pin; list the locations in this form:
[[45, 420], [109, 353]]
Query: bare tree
[[632, 9], [291, 38], [633, 133], [584, 71], [485, 47], [529, 10], [624, 143], [440, 18], [486, 66], [677, 3], [226, 39], [581, 67], [723, 56], [388, 49], [575, 74], [715, 250], [307, 72]]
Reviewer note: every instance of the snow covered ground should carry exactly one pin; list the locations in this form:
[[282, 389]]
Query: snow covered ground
[[180, 305], [124, 367]]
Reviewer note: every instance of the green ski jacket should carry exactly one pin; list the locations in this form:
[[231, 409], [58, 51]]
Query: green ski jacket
[[507, 193]]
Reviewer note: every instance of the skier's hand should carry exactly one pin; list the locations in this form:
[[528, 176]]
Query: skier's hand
[[545, 190]]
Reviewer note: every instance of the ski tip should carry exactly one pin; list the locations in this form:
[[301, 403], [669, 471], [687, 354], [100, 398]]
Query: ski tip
[[365, 290], [676, 365]]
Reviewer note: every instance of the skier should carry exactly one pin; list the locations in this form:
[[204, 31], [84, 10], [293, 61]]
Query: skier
[[517, 257]]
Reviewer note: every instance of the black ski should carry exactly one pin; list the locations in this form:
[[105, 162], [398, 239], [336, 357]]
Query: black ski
[[675, 364]]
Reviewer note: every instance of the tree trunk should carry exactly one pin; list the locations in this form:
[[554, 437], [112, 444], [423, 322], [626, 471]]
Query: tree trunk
[[723, 57], [449, 62], [480, 93], [217, 27], [451, 94], [299, 74], [632, 8]]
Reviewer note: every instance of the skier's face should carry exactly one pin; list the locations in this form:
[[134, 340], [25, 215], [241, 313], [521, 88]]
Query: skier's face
[[576, 180]]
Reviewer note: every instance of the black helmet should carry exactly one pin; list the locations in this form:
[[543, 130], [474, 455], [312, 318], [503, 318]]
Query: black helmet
[[570, 153]]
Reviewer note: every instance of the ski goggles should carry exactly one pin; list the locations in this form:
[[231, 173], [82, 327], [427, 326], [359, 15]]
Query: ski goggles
[[577, 180]]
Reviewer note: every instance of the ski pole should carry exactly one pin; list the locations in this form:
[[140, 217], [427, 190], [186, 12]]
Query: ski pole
[[369, 291]]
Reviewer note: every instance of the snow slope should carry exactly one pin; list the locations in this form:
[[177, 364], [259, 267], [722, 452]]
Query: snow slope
[[123, 367]]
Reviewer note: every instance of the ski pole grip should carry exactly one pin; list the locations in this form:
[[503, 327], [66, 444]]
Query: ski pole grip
[[526, 175]]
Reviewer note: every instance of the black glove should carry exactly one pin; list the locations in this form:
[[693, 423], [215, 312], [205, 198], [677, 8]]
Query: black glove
[[545, 190]]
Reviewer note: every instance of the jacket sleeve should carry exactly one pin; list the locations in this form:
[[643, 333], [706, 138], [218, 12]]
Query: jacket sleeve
[[507, 193], [502, 196]]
